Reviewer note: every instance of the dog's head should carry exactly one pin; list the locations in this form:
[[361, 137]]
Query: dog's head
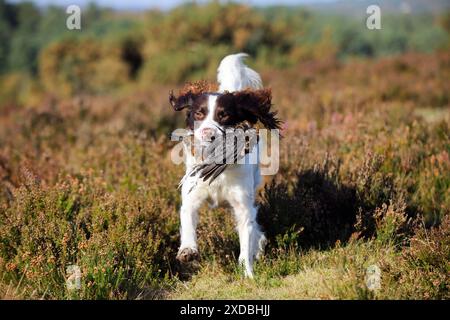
[[209, 113]]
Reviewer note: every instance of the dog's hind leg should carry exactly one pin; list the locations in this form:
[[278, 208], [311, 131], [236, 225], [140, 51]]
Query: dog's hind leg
[[250, 235]]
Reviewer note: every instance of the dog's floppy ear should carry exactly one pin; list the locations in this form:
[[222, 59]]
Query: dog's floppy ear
[[189, 93], [255, 105], [183, 101]]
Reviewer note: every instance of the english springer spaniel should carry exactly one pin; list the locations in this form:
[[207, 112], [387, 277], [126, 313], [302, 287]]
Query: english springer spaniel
[[240, 102]]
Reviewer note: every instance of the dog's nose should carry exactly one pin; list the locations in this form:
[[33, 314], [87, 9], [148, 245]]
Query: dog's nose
[[207, 134]]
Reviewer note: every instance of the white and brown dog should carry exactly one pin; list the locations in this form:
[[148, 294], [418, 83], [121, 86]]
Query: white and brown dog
[[239, 98]]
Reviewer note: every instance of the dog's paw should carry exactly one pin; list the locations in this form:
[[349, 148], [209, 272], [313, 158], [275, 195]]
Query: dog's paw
[[187, 255]]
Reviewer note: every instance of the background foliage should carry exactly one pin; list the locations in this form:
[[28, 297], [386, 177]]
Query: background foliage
[[114, 49], [86, 176]]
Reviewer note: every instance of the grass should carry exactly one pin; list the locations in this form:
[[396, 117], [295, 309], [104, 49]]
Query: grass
[[363, 180], [311, 275], [340, 272]]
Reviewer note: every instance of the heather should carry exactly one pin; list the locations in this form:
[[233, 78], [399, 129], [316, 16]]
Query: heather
[[86, 177]]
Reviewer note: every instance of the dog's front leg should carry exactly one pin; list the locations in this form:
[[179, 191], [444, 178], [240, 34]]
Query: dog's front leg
[[191, 203]]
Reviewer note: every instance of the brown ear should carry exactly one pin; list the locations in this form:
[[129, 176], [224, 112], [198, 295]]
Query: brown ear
[[255, 105], [190, 91], [183, 101]]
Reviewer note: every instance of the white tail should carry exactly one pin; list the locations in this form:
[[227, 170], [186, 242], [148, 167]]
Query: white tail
[[234, 75]]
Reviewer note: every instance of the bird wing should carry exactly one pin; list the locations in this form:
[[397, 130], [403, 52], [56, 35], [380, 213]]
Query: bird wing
[[225, 150]]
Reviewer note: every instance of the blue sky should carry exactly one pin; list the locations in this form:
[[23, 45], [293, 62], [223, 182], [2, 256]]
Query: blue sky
[[162, 4]]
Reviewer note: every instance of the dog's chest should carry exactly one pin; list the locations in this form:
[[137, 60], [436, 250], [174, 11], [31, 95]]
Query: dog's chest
[[235, 179]]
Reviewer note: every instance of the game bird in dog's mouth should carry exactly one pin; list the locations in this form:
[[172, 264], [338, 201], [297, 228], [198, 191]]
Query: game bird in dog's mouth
[[224, 171]]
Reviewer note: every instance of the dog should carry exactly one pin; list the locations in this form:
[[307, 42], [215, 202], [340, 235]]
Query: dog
[[239, 99]]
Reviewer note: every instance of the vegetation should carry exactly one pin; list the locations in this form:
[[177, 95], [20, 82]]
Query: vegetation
[[114, 51], [86, 177]]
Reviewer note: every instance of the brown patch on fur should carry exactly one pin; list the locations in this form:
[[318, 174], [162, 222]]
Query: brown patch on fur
[[198, 110], [198, 87], [247, 105], [226, 113], [189, 93]]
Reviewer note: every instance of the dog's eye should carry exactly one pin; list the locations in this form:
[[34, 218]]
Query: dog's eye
[[199, 114], [222, 115]]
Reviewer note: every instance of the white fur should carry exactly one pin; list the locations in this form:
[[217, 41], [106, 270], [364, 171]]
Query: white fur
[[237, 185], [209, 120], [234, 75]]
